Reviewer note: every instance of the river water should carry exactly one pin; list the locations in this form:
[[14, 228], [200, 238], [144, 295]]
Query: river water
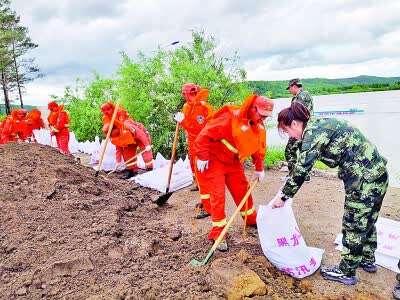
[[380, 121]]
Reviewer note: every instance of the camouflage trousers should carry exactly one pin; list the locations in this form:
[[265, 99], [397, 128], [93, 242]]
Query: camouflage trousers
[[291, 150], [361, 210], [398, 274]]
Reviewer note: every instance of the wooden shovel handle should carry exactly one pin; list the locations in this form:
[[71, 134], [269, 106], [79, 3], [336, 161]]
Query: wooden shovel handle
[[239, 207], [171, 164], [108, 135]]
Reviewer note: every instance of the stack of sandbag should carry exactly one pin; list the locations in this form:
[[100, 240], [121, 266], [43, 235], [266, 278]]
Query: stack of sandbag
[[157, 179]]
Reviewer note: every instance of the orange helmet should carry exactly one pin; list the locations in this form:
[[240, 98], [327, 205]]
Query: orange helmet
[[263, 105], [107, 108], [52, 106], [189, 91], [19, 114]]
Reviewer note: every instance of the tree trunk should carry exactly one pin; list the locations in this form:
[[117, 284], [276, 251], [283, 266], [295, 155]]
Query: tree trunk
[[17, 75], [5, 91]]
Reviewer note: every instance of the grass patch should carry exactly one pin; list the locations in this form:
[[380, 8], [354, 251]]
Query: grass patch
[[274, 156], [321, 166]]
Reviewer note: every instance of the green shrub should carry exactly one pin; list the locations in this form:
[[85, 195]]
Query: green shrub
[[275, 155], [150, 89]]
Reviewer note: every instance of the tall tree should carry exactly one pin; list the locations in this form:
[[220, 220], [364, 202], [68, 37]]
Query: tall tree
[[15, 68], [7, 19], [24, 68]]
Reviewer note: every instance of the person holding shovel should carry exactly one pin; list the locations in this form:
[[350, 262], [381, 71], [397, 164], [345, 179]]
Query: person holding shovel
[[59, 126], [127, 135], [195, 113], [364, 174], [232, 134]]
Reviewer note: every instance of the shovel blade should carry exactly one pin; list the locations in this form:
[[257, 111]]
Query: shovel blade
[[195, 263], [161, 200]]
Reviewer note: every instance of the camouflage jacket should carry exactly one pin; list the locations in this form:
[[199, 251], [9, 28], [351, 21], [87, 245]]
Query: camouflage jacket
[[305, 98], [337, 144]]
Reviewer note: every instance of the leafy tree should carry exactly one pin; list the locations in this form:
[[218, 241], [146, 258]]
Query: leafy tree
[[15, 68], [25, 69], [149, 87]]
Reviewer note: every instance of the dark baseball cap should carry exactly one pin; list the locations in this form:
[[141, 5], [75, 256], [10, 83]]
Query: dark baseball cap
[[295, 81]]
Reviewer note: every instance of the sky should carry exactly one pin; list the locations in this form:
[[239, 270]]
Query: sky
[[276, 40]]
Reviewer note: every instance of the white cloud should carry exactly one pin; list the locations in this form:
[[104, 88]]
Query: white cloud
[[275, 39]]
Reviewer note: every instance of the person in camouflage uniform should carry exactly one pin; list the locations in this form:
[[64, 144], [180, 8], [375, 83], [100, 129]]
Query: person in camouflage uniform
[[396, 290], [295, 87], [363, 171]]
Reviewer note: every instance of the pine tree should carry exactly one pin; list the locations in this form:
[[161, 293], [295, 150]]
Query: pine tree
[[15, 68]]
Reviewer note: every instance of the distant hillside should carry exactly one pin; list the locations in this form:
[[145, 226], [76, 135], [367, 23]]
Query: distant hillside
[[322, 86], [3, 109]]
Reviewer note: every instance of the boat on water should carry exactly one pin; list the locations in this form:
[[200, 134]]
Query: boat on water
[[339, 112]]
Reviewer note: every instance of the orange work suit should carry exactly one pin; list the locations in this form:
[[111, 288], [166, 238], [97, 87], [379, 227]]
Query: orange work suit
[[196, 116], [7, 132], [21, 127], [227, 139], [127, 136], [59, 127]]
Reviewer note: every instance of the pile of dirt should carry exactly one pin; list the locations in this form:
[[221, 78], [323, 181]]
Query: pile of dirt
[[65, 233]]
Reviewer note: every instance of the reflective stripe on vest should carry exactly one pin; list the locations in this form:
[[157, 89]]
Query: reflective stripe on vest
[[229, 146], [248, 212], [221, 223], [204, 196]]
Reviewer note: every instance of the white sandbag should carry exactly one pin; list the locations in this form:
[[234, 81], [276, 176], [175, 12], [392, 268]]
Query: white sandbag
[[387, 254], [73, 144], [109, 159], [157, 178], [283, 244], [43, 136]]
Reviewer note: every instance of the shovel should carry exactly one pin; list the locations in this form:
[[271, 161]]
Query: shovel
[[194, 262], [107, 137], [128, 162], [164, 197]]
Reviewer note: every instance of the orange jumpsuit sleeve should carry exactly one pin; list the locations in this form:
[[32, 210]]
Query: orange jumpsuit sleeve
[[186, 110], [62, 120], [215, 130], [258, 161]]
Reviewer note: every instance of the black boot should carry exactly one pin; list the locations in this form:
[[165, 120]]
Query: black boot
[[194, 189], [128, 174]]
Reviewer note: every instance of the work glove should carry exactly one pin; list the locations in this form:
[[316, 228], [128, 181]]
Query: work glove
[[179, 116], [120, 166], [259, 175], [277, 201], [201, 165]]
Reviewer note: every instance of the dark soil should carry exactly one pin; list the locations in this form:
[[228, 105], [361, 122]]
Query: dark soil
[[65, 233]]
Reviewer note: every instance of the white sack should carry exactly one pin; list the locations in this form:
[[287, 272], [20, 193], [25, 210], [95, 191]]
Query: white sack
[[157, 178], [283, 244]]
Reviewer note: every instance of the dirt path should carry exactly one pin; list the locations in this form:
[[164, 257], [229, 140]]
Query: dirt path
[[319, 208], [65, 233]]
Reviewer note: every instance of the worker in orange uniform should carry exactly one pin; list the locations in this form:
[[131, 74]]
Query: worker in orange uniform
[[35, 121], [193, 118], [7, 130], [127, 136], [59, 125], [20, 126], [230, 136]]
